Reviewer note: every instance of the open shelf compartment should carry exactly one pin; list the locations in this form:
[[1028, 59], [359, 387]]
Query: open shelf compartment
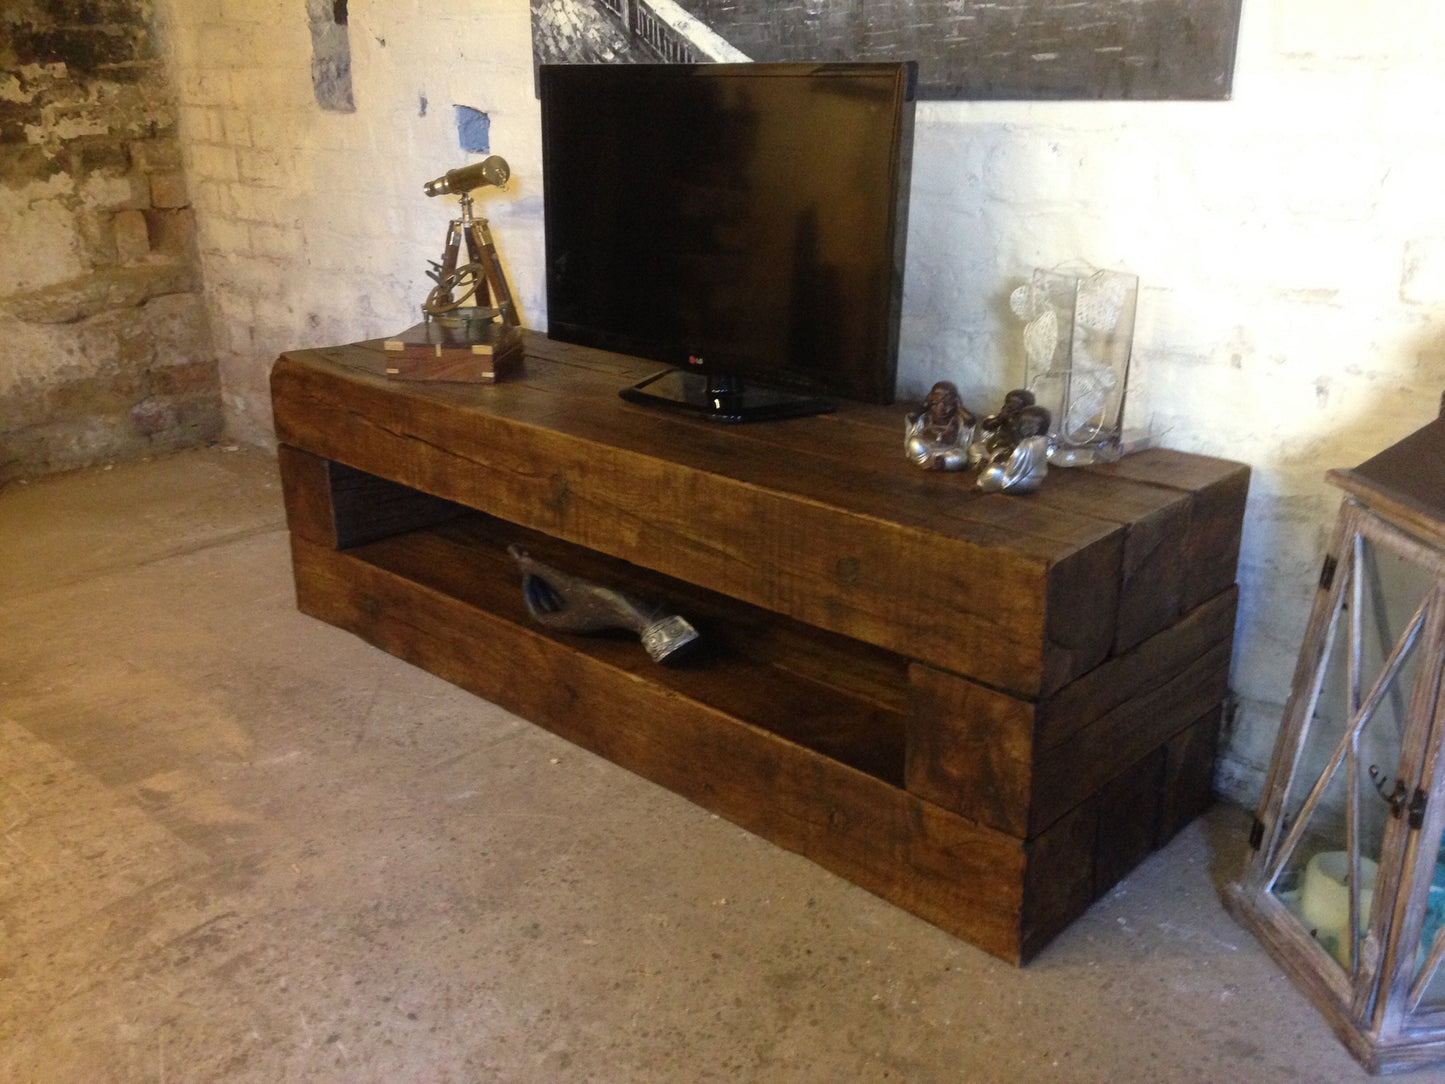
[[839, 698]]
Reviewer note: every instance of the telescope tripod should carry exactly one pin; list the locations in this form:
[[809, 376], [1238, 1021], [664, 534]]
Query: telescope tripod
[[480, 280]]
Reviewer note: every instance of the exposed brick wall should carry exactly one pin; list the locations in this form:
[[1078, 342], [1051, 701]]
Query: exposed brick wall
[[1290, 243], [104, 349], [311, 223]]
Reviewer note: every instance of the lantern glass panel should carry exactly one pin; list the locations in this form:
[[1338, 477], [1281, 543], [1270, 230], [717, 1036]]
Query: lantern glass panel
[[1428, 987], [1345, 787]]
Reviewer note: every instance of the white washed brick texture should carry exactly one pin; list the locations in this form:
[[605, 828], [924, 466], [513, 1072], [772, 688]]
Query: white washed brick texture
[[1290, 242]]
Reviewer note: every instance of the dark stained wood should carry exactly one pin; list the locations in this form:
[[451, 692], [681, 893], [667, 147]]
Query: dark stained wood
[[1189, 774], [336, 505], [1217, 490], [978, 707], [1018, 765], [1082, 611], [1411, 472], [1137, 672], [1081, 765], [306, 490], [1128, 820], [1405, 482], [771, 682], [1155, 522], [362, 508], [368, 507], [1059, 879], [454, 365], [971, 749], [962, 877], [432, 351], [867, 557]]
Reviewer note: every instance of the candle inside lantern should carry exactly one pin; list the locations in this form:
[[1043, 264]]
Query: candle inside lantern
[[1325, 900]]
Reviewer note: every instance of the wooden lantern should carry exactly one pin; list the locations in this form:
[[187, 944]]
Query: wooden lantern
[[1346, 889]]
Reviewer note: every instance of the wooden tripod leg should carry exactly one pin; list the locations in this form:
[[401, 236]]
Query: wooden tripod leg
[[476, 255], [453, 247], [479, 243]]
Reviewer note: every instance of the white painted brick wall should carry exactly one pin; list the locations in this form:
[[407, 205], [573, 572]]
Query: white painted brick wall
[[1290, 243]]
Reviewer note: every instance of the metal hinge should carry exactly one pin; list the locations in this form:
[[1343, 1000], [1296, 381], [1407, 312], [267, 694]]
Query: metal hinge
[[1400, 800], [1417, 808], [1256, 834], [1327, 573]]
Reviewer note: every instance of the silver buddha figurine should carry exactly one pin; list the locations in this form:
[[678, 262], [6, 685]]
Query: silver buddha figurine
[[938, 435], [1022, 467]]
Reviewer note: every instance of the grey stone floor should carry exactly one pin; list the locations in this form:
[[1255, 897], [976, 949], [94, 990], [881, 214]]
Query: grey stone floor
[[238, 844]]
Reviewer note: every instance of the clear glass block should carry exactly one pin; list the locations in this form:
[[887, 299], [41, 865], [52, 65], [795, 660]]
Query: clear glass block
[[1078, 338]]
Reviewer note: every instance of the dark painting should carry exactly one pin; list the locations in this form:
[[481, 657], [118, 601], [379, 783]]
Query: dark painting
[[1005, 49]]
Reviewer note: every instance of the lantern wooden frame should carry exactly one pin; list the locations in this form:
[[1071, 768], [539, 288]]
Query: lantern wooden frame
[[1372, 990]]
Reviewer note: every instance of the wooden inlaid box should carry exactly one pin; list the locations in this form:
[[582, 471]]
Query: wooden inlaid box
[[984, 708]]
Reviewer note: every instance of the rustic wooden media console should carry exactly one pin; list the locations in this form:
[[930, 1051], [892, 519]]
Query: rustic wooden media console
[[983, 708]]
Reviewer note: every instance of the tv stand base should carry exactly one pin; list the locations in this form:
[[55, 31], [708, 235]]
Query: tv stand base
[[994, 784]]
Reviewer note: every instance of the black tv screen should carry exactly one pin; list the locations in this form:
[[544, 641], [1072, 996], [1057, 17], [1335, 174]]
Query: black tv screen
[[746, 221]]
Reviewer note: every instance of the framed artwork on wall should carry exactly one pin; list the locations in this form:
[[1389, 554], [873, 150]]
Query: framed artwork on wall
[[1114, 50]]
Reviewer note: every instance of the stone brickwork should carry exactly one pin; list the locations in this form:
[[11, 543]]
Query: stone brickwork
[[104, 349]]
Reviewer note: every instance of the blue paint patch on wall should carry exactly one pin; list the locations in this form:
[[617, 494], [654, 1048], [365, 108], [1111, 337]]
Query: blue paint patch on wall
[[473, 129]]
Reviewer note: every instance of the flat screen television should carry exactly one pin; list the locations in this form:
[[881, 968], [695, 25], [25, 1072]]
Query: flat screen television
[[743, 223]]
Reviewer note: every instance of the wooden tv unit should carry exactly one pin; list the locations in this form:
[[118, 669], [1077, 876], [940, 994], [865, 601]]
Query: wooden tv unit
[[984, 708]]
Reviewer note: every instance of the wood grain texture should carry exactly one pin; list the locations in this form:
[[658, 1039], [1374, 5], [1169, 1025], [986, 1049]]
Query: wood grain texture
[[962, 877], [1129, 806], [1410, 475], [971, 749], [835, 696], [1081, 765], [1189, 774], [336, 505], [1139, 671], [306, 491], [883, 555], [1155, 524], [1217, 491], [1393, 504], [982, 708], [457, 366], [1019, 765], [1059, 878]]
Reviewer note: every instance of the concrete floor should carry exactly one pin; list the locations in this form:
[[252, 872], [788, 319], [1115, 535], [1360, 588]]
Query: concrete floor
[[237, 844]]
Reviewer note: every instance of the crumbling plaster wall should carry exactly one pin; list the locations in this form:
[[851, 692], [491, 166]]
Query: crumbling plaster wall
[[104, 349], [1290, 242]]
